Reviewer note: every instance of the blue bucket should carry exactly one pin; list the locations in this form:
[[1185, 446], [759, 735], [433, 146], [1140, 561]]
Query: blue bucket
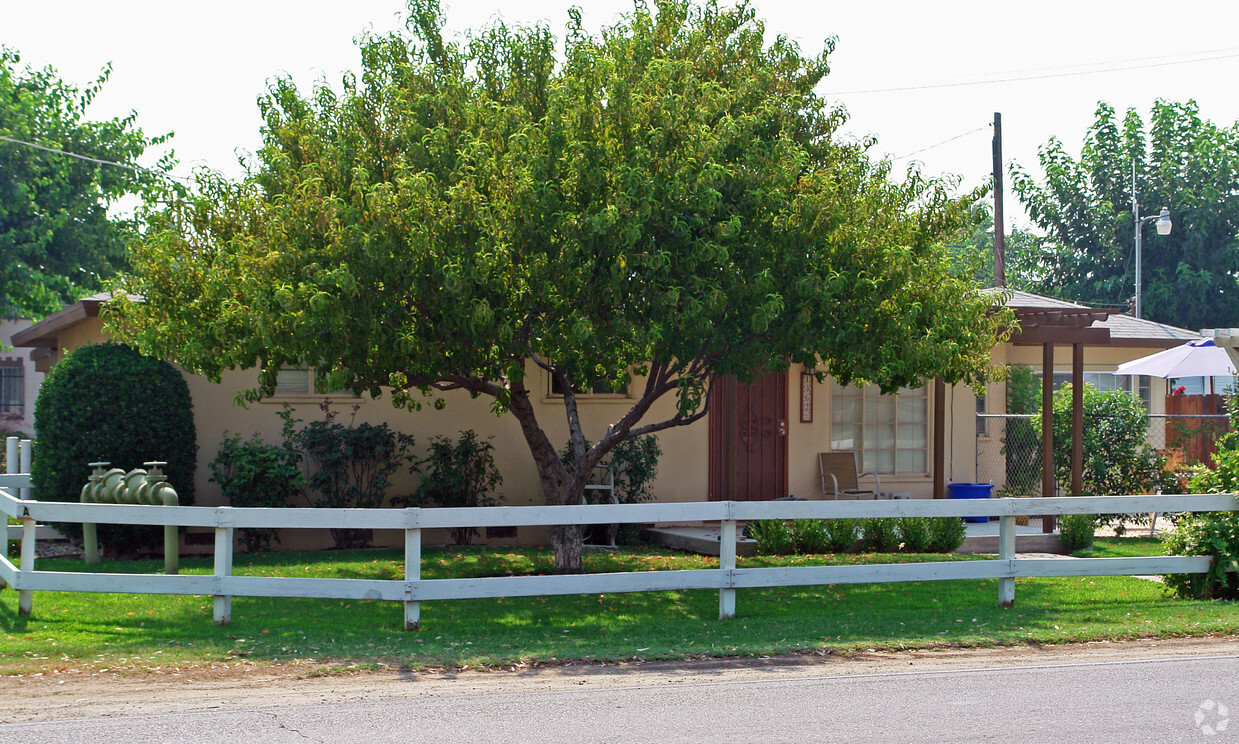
[[972, 491]]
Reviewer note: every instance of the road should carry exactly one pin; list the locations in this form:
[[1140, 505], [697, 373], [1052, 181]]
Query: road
[[1187, 698]]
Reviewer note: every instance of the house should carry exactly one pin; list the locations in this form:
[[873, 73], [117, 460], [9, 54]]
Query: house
[[19, 382], [760, 442]]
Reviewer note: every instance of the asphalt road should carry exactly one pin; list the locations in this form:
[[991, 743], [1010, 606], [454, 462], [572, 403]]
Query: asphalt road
[[1192, 699]]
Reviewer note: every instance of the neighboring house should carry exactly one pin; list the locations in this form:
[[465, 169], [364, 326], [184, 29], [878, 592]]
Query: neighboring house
[[759, 442], [19, 381]]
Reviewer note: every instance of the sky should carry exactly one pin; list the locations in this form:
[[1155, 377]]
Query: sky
[[924, 78]]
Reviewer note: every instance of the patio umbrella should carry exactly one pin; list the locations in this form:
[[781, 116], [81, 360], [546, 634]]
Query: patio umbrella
[[1199, 358]]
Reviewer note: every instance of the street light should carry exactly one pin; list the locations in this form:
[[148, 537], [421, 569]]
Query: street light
[[1163, 228]]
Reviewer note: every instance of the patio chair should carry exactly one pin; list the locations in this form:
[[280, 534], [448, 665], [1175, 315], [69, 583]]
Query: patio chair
[[841, 479]]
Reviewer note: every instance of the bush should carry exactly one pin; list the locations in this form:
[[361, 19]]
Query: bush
[[107, 402], [773, 536], [1213, 534], [946, 534], [809, 536], [879, 535], [459, 474], [915, 533], [1075, 531], [254, 473], [841, 534], [1117, 458], [351, 466]]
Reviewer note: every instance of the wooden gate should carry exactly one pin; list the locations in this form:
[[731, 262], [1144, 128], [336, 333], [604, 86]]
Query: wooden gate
[[748, 439]]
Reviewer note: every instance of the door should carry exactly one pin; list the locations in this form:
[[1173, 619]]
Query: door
[[748, 439]]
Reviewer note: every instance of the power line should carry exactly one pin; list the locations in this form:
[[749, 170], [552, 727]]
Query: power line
[[939, 144], [1018, 77], [87, 158]]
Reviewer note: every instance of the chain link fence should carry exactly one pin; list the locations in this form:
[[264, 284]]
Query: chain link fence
[[1008, 452]]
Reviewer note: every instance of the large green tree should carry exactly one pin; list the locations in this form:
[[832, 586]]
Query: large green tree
[[655, 206], [57, 240], [1183, 162]]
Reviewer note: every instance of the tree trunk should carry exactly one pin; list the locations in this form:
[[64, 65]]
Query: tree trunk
[[569, 544]]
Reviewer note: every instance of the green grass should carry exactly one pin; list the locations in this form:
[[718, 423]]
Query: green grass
[[1122, 547], [145, 632]]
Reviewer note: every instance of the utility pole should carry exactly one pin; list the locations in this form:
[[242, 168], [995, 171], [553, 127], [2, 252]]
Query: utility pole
[[1000, 247]]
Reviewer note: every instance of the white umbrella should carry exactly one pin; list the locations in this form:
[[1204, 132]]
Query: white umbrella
[[1199, 358]]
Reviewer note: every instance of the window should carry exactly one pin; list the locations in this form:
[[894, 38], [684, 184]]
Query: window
[[299, 381], [600, 388], [891, 432], [1137, 384], [1099, 380], [12, 389]]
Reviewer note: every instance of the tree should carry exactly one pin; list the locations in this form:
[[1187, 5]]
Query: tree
[[57, 240], [666, 205], [1023, 253], [1184, 163]]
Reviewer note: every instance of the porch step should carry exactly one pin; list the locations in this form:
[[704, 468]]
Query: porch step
[[697, 539]]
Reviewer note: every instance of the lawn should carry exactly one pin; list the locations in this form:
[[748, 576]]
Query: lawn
[[141, 632]]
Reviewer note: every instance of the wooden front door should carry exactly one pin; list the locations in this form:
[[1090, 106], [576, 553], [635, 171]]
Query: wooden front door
[[748, 439]]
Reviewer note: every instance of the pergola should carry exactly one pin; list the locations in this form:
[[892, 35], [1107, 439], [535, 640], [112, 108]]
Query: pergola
[[1045, 322]]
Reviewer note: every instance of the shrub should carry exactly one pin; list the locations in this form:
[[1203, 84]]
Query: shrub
[[351, 466], [879, 534], [946, 534], [1213, 534], [108, 402], [773, 536], [1075, 531], [254, 473], [809, 536], [459, 474], [841, 534], [915, 533]]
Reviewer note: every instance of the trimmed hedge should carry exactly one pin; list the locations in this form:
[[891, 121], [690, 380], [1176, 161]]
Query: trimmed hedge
[[108, 402]]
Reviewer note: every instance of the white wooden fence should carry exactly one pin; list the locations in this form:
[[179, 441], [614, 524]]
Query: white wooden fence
[[726, 578]]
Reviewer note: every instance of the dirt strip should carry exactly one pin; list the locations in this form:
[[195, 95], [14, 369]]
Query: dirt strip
[[89, 694]]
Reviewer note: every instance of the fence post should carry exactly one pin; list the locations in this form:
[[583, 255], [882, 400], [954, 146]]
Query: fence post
[[10, 467], [1006, 552], [25, 597], [26, 459], [727, 562], [412, 570], [223, 567]]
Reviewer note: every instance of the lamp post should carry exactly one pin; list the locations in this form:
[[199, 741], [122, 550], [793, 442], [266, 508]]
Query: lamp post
[[1163, 228]]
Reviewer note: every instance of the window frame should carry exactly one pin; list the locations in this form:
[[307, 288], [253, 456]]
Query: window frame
[[12, 376], [868, 457]]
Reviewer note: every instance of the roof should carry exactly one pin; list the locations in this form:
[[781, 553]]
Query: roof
[[1139, 332], [43, 333], [1048, 319]]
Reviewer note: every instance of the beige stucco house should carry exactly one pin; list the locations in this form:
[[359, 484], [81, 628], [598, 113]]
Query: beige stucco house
[[759, 442]]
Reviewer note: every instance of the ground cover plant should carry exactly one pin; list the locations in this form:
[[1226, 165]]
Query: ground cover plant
[[127, 632]]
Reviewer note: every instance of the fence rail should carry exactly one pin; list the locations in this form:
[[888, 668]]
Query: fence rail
[[727, 578]]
